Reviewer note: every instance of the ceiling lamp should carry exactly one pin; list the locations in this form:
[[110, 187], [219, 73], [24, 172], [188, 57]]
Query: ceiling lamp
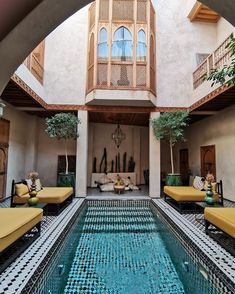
[[118, 136]]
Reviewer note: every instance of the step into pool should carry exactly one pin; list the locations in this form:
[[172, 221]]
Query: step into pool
[[122, 247]]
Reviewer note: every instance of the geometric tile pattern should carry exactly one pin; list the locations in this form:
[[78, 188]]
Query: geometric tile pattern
[[16, 276], [111, 245], [219, 263]]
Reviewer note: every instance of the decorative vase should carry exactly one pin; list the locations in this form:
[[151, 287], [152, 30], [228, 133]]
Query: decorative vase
[[209, 195], [173, 180], [66, 180], [32, 201]]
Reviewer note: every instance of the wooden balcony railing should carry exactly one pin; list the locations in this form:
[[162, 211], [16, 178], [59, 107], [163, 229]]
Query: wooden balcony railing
[[216, 60]]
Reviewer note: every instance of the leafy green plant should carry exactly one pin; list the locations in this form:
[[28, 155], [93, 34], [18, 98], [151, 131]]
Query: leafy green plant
[[226, 74], [63, 126], [170, 126]]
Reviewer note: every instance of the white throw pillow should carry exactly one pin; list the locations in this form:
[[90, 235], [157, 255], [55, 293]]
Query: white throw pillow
[[107, 187], [198, 183], [104, 179]]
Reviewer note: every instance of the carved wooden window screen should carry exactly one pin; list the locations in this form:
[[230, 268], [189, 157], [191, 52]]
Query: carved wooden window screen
[[92, 15], [152, 18], [102, 74], [140, 75], [141, 11], [104, 10], [122, 75], [123, 10], [152, 65]]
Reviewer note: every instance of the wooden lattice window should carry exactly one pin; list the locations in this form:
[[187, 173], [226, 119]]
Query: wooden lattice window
[[123, 10], [92, 15], [91, 49], [141, 75], [104, 10], [141, 11], [152, 18], [122, 75], [152, 65], [102, 74]]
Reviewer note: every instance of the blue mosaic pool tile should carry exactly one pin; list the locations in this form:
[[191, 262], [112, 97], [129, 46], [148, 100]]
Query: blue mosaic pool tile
[[120, 251]]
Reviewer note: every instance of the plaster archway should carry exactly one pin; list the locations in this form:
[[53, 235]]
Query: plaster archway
[[32, 20]]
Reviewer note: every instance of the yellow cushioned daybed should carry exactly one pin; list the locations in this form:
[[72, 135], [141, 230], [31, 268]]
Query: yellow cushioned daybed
[[221, 218], [14, 224], [57, 198], [182, 195]]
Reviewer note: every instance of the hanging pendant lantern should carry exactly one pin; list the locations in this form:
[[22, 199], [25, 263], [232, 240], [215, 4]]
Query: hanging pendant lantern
[[118, 136]]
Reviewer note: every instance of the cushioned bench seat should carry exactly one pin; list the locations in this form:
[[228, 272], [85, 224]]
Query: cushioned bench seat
[[15, 222], [222, 218], [50, 195], [186, 194]]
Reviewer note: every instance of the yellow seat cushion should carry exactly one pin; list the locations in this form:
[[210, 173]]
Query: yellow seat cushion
[[21, 189], [15, 222], [223, 218], [52, 195], [189, 193]]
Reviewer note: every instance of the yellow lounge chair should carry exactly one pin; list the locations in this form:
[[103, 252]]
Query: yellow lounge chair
[[181, 196], [222, 219], [14, 224], [57, 198]]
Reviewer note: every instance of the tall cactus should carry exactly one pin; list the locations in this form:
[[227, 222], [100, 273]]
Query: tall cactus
[[104, 160], [94, 165], [119, 169], [112, 166], [116, 164], [124, 162]]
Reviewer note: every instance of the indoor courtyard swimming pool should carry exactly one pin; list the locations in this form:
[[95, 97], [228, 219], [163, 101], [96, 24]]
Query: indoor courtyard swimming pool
[[121, 247]]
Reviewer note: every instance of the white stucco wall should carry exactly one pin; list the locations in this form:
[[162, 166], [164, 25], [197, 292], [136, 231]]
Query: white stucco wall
[[224, 29], [218, 130], [135, 145], [178, 40], [21, 152], [65, 61], [48, 150]]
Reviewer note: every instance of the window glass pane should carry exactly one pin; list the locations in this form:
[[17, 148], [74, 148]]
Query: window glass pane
[[103, 35], [141, 46], [103, 46], [102, 51], [122, 45]]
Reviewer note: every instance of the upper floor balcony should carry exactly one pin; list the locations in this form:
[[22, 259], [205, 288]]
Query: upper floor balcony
[[215, 60], [35, 62], [121, 57]]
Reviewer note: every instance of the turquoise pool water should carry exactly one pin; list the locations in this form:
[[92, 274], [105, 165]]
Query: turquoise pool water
[[123, 249]]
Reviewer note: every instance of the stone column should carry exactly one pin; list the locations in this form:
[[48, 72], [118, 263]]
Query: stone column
[[82, 155], [154, 162]]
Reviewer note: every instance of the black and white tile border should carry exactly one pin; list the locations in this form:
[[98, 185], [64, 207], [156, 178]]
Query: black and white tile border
[[215, 260], [16, 276]]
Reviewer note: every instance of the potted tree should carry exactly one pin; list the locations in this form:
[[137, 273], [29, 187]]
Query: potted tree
[[63, 126], [170, 126]]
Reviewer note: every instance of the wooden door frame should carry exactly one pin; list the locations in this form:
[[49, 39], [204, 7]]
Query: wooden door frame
[[204, 147]]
